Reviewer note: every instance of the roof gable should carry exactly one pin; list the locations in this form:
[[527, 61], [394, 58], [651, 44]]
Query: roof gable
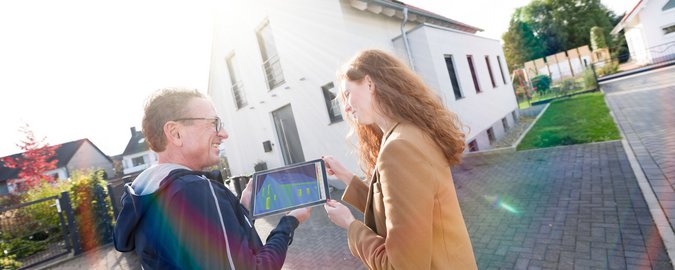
[[63, 154]]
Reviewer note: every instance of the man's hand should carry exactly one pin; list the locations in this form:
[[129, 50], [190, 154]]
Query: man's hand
[[301, 214]]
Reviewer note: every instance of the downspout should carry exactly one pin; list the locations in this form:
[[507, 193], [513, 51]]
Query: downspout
[[405, 38]]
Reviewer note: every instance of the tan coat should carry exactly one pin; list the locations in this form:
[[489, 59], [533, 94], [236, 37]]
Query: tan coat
[[412, 218]]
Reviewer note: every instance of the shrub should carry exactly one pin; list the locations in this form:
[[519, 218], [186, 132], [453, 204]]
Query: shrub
[[609, 68], [93, 211], [9, 263], [542, 83], [589, 79], [10, 199]]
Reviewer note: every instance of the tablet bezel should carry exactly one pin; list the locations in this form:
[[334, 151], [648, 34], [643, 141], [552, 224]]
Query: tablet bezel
[[324, 183]]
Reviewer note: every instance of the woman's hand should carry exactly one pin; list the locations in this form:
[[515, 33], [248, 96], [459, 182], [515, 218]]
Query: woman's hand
[[334, 167], [246, 195], [339, 214]]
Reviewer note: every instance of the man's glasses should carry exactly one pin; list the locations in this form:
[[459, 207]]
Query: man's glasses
[[216, 121]]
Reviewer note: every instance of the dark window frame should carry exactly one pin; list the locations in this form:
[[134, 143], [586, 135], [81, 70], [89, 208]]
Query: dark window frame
[[474, 76], [452, 73], [489, 67], [501, 69], [332, 103]]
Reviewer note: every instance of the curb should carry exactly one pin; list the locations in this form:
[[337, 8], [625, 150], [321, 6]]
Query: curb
[[513, 147]]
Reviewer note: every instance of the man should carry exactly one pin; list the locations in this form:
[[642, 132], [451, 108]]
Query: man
[[176, 216]]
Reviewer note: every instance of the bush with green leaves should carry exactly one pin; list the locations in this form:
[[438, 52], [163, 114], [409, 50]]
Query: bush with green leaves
[[542, 83], [589, 79], [9, 262], [93, 211], [598, 38], [609, 68]]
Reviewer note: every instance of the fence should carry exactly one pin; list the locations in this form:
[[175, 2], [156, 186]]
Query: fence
[[38, 231]]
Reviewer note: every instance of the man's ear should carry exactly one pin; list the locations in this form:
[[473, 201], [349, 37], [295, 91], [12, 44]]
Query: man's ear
[[172, 132]]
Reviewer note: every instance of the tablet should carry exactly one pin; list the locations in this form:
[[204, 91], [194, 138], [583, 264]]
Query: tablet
[[294, 186]]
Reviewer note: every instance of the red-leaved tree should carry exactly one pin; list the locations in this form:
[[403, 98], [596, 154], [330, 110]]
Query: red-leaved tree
[[38, 157]]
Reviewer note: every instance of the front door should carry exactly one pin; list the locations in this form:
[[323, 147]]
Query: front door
[[287, 135]]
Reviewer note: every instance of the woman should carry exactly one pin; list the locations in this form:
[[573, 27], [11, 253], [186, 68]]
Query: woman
[[407, 143]]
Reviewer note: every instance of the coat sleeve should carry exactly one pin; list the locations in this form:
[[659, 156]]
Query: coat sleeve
[[408, 197], [356, 194], [205, 241]]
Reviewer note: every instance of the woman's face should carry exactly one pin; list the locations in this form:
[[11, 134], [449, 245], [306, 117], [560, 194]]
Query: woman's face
[[358, 96]]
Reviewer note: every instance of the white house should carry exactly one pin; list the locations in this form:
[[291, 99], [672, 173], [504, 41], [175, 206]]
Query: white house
[[274, 63], [650, 31], [137, 155]]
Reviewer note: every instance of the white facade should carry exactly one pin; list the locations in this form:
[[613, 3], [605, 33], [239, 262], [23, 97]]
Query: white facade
[[313, 39], [138, 161], [646, 33]]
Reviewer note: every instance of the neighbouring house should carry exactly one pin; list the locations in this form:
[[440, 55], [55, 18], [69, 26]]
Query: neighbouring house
[[137, 156], [273, 74], [72, 156], [649, 29]]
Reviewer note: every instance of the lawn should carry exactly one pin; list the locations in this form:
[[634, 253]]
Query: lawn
[[580, 119]]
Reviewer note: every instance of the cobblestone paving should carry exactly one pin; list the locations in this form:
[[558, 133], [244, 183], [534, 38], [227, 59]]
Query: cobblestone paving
[[571, 207], [643, 107]]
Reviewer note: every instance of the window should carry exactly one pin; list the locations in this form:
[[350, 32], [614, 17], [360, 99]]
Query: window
[[137, 161], [491, 135], [501, 70], [505, 124], [268, 50], [332, 104], [453, 76], [492, 78], [670, 4], [473, 146], [513, 114], [237, 87], [469, 58], [669, 29]]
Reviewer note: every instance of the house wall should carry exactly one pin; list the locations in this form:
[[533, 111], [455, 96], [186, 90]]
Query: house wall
[[653, 20], [478, 111], [149, 159], [88, 157], [311, 48]]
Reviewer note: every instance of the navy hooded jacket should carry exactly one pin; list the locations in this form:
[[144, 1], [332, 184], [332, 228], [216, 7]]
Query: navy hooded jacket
[[186, 220]]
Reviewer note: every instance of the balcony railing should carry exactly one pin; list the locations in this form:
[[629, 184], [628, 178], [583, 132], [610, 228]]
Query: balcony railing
[[239, 95], [273, 73]]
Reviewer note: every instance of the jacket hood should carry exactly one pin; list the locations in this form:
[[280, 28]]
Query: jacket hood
[[137, 198]]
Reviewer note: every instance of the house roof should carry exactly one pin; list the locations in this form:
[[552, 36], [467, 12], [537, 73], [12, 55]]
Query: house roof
[[64, 153], [136, 143], [391, 8], [628, 17]]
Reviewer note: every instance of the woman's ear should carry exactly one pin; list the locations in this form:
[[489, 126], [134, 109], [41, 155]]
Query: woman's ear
[[370, 83], [172, 132]]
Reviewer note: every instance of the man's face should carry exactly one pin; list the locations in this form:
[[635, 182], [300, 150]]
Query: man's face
[[201, 141]]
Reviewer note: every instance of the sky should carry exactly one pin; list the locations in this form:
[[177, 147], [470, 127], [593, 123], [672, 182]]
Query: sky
[[74, 69]]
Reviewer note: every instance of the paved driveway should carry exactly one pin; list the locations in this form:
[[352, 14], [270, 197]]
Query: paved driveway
[[571, 207], [643, 106]]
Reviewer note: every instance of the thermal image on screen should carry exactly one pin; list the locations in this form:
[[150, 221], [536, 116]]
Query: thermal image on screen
[[288, 188]]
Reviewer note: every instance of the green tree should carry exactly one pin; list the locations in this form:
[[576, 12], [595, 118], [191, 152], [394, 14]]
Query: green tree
[[555, 26], [520, 44], [597, 38]]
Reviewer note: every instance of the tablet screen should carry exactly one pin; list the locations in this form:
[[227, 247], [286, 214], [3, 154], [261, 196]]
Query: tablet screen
[[290, 187]]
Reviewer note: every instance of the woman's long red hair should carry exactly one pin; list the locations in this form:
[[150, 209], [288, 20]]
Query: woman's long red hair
[[401, 95]]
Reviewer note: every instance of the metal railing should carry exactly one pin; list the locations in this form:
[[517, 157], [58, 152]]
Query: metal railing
[[273, 72], [239, 95]]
